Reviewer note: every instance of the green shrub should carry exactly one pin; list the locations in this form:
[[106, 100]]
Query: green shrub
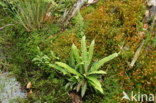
[[81, 72]]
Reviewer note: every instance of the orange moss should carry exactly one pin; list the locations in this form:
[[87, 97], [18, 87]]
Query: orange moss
[[113, 22], [116, 21], [62, 45]]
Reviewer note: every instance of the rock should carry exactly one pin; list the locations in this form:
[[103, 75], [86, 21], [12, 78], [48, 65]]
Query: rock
[[10, 89]]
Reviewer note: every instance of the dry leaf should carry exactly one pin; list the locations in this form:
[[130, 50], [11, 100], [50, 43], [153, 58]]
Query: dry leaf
[[29, 85]]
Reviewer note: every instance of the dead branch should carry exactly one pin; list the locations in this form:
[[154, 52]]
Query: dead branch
[[137, 54], [90, 2], [1, 28], [72, 12], [68, 15]]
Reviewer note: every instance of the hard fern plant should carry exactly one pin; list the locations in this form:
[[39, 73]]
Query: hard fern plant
[[81, 71]]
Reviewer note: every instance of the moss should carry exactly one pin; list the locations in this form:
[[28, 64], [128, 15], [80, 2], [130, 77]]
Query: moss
[[62, 45], [112, 23]]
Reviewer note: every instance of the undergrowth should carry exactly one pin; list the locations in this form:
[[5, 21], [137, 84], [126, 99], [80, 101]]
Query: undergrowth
[[112, 24]]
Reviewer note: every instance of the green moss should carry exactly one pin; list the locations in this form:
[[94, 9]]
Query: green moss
[[21, 47], [62, 45]]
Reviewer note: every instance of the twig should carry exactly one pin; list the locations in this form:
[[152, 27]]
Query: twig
[[1, 28], [137, 54]]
